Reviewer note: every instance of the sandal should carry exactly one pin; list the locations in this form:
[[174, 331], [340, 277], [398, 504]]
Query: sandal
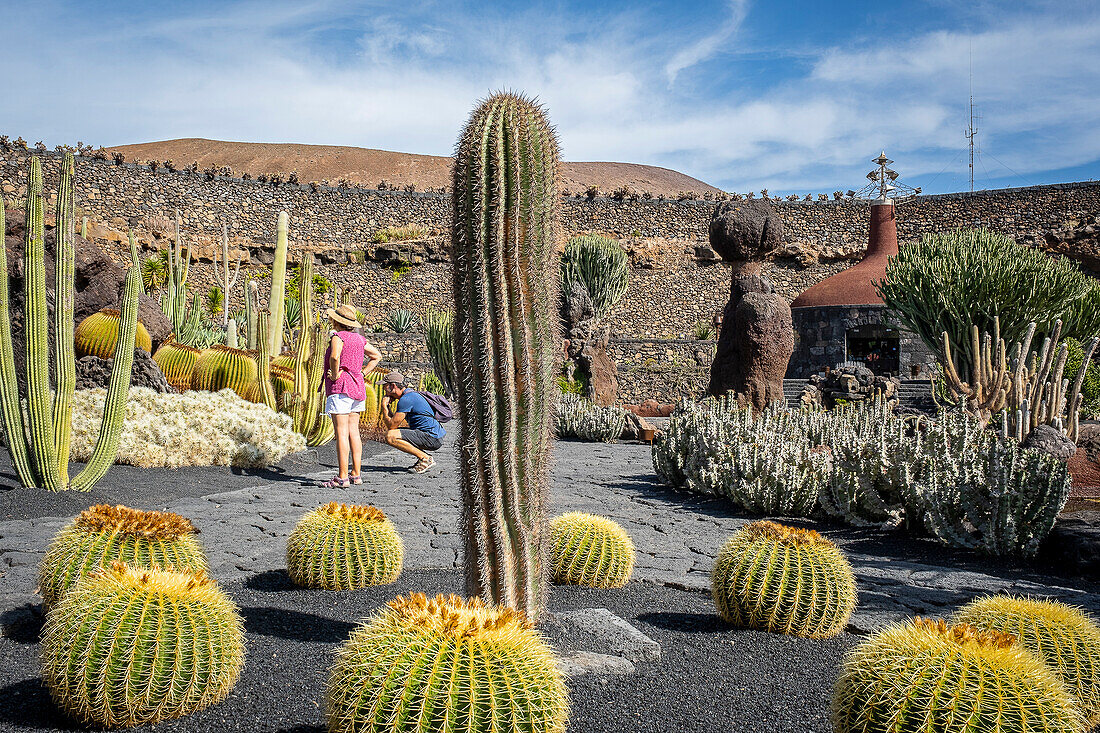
[[356, 479], [423, 465], [335, 483]]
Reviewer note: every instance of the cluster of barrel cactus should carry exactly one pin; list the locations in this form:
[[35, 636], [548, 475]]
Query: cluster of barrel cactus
[[97, 335], [577, 417], [103, 534], [223, 367], [931, 676], [786, 580], [341, 547], [131, 646], [1063, 637], [489, 671], [591, 551]]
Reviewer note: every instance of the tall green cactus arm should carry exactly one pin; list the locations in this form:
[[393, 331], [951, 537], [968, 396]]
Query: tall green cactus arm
[[263, 361], [36, 336], [14, 427], [118, 389], [276, 305], [506, 344], [64, 378]]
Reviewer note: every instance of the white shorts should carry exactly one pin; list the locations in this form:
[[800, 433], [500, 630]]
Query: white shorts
[[341, 404]]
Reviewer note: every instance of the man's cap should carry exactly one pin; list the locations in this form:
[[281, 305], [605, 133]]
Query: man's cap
[[394, 378]]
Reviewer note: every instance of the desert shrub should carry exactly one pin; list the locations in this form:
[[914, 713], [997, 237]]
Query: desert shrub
[[190, 429], [576, 417], [400, 234]]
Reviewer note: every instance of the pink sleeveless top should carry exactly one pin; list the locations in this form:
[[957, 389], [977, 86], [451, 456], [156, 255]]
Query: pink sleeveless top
[[350, 381]]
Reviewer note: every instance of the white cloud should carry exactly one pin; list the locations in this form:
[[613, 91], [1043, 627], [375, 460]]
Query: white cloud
[[709, 44]]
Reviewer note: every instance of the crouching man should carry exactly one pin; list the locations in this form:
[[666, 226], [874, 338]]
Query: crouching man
[[399, 403]]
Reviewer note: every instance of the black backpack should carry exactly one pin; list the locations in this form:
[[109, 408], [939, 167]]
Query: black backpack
[[442, 409]]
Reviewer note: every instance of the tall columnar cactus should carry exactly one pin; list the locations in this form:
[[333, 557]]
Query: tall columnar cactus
[[179, 265], [225, 282], [97, 335], [1063, 637], [132, 646], [341, 547], [591, 551], [39, 446], [928, 676], [785, 580], [446, 665], [252, 327], [276, 305], [103, 534], [507, 349]]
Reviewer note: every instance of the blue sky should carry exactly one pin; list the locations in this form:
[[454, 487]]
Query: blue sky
[[793, 96]]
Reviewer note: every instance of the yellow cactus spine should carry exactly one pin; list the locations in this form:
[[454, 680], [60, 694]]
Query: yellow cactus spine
[[341, 547], [97, 335], [591, 551], [1065, 638], [457, 664], [130, 646], [103, 534], [928, 676], [785, 580]]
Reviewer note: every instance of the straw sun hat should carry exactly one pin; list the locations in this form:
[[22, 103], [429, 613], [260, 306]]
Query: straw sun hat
[[345, 314]]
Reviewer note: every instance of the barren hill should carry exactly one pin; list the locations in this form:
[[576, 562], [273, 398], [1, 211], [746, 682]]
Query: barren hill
[[367, 166]]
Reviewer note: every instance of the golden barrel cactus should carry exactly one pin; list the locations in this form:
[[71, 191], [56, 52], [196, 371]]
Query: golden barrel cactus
[[103, 534], [928, 676], [341, 547], [131, 646], [97, 335], [447, 665], [590, 550], [785, 580], [282, 381], [221, 367], [177, 361], [1063, 637]]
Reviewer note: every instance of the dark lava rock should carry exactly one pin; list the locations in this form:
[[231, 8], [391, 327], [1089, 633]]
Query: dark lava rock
[[1051, 441], [745, 230], [1073, 545], [93, 372]]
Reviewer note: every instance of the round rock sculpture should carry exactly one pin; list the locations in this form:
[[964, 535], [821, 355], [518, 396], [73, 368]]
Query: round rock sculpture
[[757, 337]]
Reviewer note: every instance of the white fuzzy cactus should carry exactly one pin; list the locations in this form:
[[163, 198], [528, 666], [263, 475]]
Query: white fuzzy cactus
[[576, 417]]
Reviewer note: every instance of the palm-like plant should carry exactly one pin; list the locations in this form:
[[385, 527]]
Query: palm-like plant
[[215, 300], [154, 272]]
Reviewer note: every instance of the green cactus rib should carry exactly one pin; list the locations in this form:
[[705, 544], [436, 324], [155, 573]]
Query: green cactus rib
[[221, 367], [104, 534], [118, 389], [340, 547], [14, 426], [276, 305], [1065, 638], [64, 375], [128, 647], [506, 344], [36, 337], [97, 335], [784, 580], [177, 362], [591, 551], [445, 665], [268, 393], [926, 676], [303, 419]]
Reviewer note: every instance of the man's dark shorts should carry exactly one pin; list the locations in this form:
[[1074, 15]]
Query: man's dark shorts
[[421, 439]]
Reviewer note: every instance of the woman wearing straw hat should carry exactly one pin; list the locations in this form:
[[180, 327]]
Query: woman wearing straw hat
[[344, 390]]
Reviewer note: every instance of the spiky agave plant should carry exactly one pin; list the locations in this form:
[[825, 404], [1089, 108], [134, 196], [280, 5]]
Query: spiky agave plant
[[463, 666], [1063, 637], [131, 646], [785, 580], [590, 550], [506, 347], [925, 675], [103, 534], [341, 547]]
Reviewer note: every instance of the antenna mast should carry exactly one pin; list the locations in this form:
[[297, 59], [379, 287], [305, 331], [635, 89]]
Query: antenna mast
[[970, 131]]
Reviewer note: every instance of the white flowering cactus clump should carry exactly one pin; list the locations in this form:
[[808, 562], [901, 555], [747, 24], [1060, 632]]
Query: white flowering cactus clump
[[576, 417], [190, 429]]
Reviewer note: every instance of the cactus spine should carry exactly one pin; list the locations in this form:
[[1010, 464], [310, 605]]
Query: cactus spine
[[506, 347], [277, 303], [39, 446]]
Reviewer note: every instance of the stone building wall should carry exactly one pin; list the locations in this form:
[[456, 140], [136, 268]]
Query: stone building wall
[[820, 333]]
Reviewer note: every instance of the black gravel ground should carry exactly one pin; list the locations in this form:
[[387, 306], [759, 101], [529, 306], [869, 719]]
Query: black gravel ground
[[711, 677], [153, 487]]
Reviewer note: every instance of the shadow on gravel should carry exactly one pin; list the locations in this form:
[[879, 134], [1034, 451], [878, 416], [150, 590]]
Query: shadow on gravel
[[270, 581], [295, 625], [27, 704], [23, 625], [692, 623]]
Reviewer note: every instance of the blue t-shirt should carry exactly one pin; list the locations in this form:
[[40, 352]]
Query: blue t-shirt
[[419, 414]]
